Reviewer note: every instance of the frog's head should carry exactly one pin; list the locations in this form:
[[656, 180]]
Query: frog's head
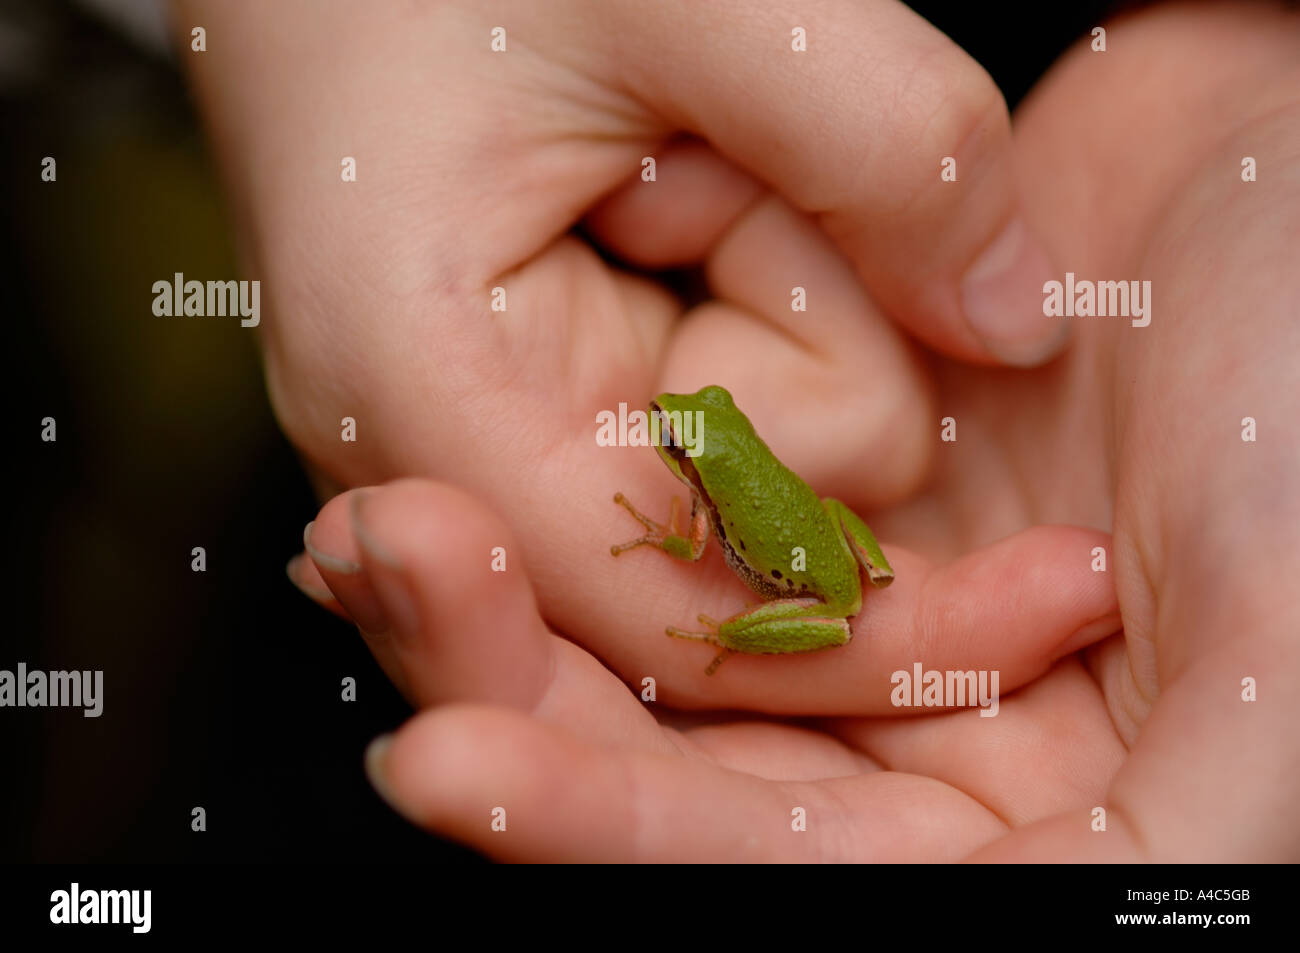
[[685, 421]]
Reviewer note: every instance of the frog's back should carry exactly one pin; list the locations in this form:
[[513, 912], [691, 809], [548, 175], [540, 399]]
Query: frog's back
[[766, 512]]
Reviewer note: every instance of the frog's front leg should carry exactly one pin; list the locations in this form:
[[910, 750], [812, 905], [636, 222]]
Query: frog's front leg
[[667, 537], [786, 625]]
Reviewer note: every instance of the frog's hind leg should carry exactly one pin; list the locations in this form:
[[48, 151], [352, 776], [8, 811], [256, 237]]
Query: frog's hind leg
[[786, 625], [862, 542]]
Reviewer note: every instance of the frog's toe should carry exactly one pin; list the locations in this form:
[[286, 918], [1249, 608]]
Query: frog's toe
[[709, 637]]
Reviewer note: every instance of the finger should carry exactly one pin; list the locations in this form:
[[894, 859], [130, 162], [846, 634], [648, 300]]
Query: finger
[[336, 559], [1013, 608], [1179, 796], [779, 751], [303, 574], [1208, 729], [455, 769], [675, 219], [950, 260], [1054, 737], [441, 584], [851, 369]]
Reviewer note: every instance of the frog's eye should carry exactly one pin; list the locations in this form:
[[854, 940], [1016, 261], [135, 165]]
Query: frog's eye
[[673, 444], [667, 436]]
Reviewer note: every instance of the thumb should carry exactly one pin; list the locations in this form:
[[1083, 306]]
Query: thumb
[[856, 120]]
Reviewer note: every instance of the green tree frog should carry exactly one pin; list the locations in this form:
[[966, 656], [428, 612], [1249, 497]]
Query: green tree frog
[[783, 541]]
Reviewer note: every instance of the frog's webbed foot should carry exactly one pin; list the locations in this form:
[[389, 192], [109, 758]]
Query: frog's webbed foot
[[710, 637], [783, 626]]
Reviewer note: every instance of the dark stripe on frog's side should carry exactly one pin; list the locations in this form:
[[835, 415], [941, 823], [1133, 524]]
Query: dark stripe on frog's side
[[751, 577]]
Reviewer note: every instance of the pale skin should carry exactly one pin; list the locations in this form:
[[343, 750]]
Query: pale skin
[[1135, 433]]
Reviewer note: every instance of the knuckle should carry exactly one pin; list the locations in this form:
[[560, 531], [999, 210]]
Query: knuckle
[[947, 95], [948, 106]]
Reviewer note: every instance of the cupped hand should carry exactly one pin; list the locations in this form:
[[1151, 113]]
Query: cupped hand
[[1196, 418], [775, 170], [589, 767], [1139, 428]]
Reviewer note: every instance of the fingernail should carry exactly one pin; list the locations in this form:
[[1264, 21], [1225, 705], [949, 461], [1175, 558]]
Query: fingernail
[[364, 535], [376, 762], [389, 580], [325, 560], [1002, 297], [294, 570]]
